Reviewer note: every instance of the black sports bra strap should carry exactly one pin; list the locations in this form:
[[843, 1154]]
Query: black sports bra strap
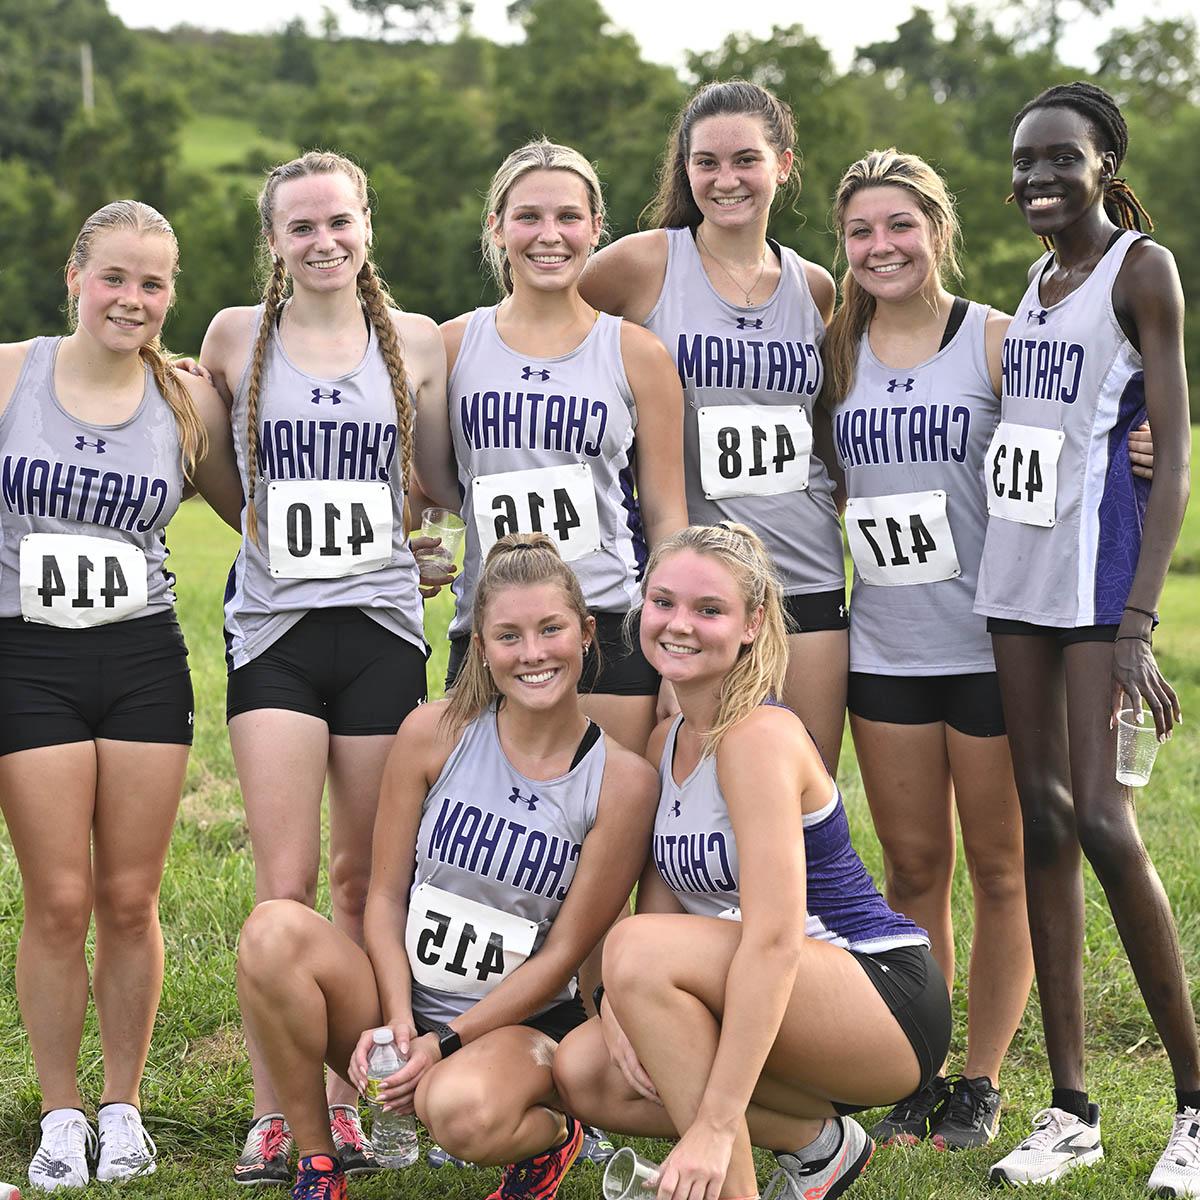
[[958, 314], [591, 735]]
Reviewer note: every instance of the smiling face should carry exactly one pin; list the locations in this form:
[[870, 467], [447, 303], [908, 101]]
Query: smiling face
[[321, 229], [533, 640], [733, 170], [124, 289], [694, 622], [546, 228], [889, 243], [1058, 169]]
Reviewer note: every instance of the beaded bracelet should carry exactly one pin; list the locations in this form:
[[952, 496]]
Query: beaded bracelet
[[1134, 608], [1133, 637]]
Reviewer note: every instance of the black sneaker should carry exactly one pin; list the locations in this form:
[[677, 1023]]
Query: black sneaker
[[597, 1146], [909, 1121], [265, 1155], [355, 1151], [971, 1115]]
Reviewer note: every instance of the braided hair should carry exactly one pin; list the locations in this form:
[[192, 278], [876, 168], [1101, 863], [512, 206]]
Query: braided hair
[[1101, 111]]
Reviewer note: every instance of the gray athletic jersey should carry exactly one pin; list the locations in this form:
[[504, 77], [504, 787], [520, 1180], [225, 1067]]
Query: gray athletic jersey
[[547, 443], [495, 855], [741, 463], [1065, 510], [62, 476], [911, 443], [330, 505]]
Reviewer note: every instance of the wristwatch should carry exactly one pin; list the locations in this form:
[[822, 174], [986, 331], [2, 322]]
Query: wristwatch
[[448, 1039]]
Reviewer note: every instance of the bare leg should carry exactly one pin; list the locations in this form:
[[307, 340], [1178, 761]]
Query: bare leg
[[815, 688]]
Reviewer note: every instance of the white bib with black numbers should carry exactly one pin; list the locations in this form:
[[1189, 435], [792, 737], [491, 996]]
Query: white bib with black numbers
[[753, 450], [1021, 473], [461, 946], [558, 501], [901, 539], [75, 581], [328, 528]]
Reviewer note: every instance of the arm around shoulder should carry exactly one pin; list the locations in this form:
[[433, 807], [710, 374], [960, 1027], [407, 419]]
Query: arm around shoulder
[[625, 279], [226, 348], [216, 476]]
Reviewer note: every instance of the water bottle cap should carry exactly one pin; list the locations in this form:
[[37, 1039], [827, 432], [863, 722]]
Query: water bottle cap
[[381, 1037]]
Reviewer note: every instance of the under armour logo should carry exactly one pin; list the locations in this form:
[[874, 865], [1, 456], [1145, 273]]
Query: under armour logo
[[98, 445], [674, 808], [843, 612], [319, 394], [531, 372], [531, 800], [906, 384], [749, 322], [1038, 315], [191, 717]]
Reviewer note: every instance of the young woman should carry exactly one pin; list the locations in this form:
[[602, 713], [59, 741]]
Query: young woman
[[504, 811], [914, 383], [1072, 569], [743, 318], [322, 617], [99, 441], [557, 412], [811, 999]]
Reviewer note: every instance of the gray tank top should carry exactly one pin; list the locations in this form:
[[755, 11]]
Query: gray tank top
[[330, 505], [547, 444], [84, 507], [751, 377], [495, 855], [911, 443], [1065, 509]]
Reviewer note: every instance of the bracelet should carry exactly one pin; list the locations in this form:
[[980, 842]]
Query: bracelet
[[1134, 608], [1133, 637]]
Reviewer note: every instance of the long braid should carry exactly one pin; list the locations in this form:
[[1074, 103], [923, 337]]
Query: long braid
[[193, 437], [273, 295], [378, 304]]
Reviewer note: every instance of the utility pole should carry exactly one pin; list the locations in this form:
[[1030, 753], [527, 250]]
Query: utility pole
[[87, 81]]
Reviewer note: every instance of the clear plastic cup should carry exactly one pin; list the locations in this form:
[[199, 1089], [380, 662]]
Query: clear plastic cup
[[1137, 747], [449, 528], [628, 1176]]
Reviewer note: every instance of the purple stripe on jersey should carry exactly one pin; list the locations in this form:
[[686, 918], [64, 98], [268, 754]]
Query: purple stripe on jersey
[[633, 519], [1122, 510]]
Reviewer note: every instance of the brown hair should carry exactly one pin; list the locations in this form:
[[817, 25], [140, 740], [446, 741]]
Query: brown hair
[[761, 667], [142, 219], [674, 206], [372, 293], [884, 168], [516, 560]]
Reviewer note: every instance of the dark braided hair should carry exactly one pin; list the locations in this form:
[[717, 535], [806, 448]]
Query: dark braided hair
[[1101, 111]]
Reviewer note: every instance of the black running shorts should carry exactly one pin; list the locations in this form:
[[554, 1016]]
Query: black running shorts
[[814, 612], [127, 681], [1064, 637], [556, 1022], [968, 703], [338, 665]]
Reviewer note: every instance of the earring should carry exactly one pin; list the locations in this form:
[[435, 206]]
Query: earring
[[586, 647], [485, 665]]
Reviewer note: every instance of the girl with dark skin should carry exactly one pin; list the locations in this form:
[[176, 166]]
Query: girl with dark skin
[[1066, 671]]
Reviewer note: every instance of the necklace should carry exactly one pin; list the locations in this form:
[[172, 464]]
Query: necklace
[[746, 292]]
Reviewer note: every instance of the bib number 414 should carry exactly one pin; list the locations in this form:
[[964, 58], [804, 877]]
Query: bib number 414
[[75, 580]]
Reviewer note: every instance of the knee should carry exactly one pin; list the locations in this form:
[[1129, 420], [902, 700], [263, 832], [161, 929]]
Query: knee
[[272, 938], [126, 910], [1111, 843], [580, 1076], [625, 968], [918, 871], [1048, 818], [58, 915], [349, 880], [997, 879], [462, 1115]]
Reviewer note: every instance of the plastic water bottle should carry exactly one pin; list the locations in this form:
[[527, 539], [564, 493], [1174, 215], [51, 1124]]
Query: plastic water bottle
[[393, 1137]]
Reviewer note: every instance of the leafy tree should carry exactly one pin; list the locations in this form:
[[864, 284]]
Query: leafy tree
[[1155, 66], [420, 18]]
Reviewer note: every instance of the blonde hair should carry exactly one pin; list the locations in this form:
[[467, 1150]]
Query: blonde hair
[[516, 560], [142, 219], [884, 168], [759, 671], [541, 155], [373, 294]]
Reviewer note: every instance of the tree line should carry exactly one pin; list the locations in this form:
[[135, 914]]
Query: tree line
[[429, 109]]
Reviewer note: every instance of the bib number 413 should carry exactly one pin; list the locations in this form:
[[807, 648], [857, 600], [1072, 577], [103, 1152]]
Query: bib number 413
[[1021, 473]]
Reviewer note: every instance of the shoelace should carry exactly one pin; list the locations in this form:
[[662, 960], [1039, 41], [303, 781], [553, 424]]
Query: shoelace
[[316, 1185], [71, 1137], [131, 1136], [1048, 1126], [273, 1140], [346, 1131], [920, 1104], [524, 1179], [967, 1103], [1183, 1147]]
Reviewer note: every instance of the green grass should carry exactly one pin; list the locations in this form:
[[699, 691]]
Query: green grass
[[231, 146], [197, 1090]]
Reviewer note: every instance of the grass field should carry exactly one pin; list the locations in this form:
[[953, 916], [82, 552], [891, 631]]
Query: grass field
[[196, 1095], [231, 146]]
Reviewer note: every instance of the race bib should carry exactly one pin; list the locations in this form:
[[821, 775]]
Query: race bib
[[753, 450], [74, 581], [327, 528], [461, 946], [1020, 472], [559, 501], [901, 539]]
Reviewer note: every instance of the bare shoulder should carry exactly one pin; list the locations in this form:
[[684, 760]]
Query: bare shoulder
[[640, 347], [204, 396], [658, 740], [626, 278], [628, 775], [770, 731], [232, 325], [1148, 264], [12, 359], [995, 329], [820, 283], [452, 332], [415, 329]]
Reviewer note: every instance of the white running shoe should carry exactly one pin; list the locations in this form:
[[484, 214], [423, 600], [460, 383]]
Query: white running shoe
[[1059, 1143], [1177, 1172], [127, 1151], [61, 1160]]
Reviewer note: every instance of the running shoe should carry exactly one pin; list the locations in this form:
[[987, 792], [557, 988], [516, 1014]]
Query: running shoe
[[970, 1117], [537, 1178], [266, 1152], [126, 1149], [910, 1120], [1177, 1172], [829, 1177], [319, 1177], [61, 1160], [437, 1156], [597, 1146], [1059, 1143], [358, 1158]]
